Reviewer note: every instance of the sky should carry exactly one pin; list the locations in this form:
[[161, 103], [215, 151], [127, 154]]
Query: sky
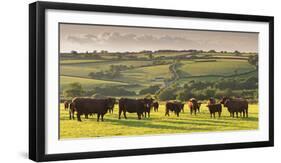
[[82, 38]]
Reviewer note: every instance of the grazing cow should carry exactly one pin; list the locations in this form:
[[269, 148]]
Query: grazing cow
[[175, 107], [156, 106], [213, 108], [88, 106], [193, 106], [132, 106], [238, 105], [71, 110], [66, 105]]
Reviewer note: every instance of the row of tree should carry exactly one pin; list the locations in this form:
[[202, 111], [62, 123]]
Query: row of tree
[[247, 88]]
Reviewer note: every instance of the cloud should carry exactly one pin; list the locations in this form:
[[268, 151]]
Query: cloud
[[115, 38]]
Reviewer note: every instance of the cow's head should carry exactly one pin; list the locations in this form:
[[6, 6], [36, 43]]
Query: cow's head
[[224, 99], [226, 103], [110, 103], [148, 102]]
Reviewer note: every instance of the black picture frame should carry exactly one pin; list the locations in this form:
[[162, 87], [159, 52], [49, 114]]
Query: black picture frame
[[37, 79]]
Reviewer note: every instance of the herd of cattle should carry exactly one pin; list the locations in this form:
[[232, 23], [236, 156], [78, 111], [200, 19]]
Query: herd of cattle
[[142, 107]]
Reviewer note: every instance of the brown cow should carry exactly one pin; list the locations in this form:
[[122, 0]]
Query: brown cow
[[238, 105], [193, 106], [149, 103], [89, 106], [213, 108], [132, 106], [175, 107], [66, 105], [71, 111], [112, 102], [156, 106]]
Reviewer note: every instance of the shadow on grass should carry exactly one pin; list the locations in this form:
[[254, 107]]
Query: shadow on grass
[[146, 124], [199, 123]]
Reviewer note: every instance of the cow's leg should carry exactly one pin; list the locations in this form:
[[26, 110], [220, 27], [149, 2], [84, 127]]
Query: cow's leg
[[119, 114], [86, 116], [98, 117], [236, 114], [194, 111], [148, 114], [102, 117], [79, 117], [167, 113], [124, 113], [139, 116], [214, 114], [219, 114], [177, 114], [191, 111]]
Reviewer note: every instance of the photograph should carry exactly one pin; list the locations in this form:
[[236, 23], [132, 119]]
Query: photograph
[[128, 81]]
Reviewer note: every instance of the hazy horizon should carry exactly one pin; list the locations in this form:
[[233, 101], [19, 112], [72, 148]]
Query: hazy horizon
[[84, 38]]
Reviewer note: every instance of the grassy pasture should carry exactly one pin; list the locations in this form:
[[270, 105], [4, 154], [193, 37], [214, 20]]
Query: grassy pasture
[[220, 67], [83, 68], [156, 124], [86, 83], [147, 75]]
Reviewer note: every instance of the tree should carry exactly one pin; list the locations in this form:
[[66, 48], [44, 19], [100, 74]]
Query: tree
[[149, 55], [74, 90], [167, 94], [237, 53], [73, 52], [211, 51], [253, 60], [150, 90]]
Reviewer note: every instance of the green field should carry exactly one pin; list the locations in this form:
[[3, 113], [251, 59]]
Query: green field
[[220, 67], [156, 124], [143, 73], [87, 83]]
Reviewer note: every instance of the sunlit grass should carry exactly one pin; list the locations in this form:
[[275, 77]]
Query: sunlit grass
[[156, 124]]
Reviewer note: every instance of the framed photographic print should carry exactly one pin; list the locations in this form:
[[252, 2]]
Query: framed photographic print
[[108, 81]]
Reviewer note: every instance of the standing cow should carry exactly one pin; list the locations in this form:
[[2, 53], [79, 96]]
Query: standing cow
[[175, 107], [193, 106], [148, 105], [89, 106], [132, 106], [112, 102], [71, 111], [156, 106], [238, 105], [66, 105], [213, 108]]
